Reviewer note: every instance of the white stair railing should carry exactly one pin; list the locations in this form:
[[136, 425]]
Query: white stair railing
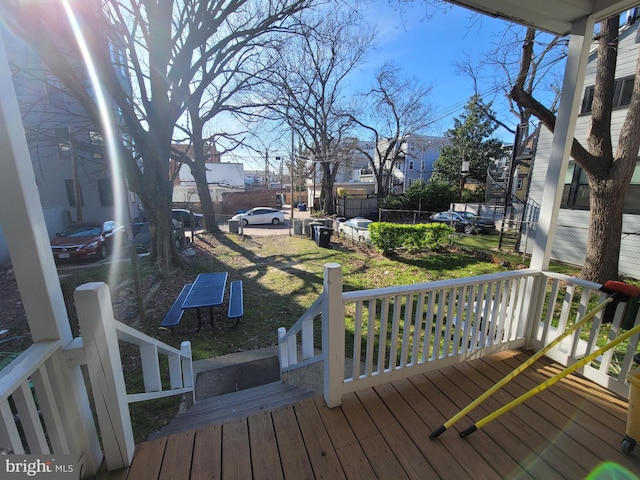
[[99, 350], [296, 346]]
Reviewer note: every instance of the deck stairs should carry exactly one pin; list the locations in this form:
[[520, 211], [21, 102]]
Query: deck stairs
[[252, 386]]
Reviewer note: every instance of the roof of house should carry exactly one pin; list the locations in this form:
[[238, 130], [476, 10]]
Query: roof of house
[[554, 16]]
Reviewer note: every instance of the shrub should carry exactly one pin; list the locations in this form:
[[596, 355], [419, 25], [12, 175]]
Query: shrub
[[390, 237]]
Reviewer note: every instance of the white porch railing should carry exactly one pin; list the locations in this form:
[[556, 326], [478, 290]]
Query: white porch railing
[[33, 414], [29, 402], [421, 327], [566, 300]]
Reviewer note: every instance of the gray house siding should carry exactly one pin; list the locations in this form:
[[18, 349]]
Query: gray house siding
[[47, 113], [570, 240]]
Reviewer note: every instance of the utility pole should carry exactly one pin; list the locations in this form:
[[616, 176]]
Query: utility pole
[[266, 169]]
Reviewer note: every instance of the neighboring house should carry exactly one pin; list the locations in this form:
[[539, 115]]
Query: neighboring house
[[354, 164], [73, 173], [260, 178], [221, 177], [413, 161], [211, 156], [573, 220]]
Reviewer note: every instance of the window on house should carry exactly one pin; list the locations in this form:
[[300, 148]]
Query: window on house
[[520, 182], [106, 193], [576, 190], [623, 87], [68, 183], [55, 95], [632, 198], [97, 144], [410, 164], [63, 139]]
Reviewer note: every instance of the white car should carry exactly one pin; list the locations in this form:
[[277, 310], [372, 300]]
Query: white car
[[259, 215], [356, 229]]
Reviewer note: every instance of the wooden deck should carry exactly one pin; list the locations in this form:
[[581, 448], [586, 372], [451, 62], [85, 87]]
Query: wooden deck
[[563, 433]]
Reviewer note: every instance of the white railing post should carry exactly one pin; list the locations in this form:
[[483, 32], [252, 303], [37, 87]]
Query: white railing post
[[307, 339], [534, 304], [333, 335], [187, 369], [95, 316], [282, 348]]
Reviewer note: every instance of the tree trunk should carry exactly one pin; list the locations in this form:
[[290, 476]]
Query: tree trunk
[[199, 172], [605, 229], [156, 195], [326, 192]]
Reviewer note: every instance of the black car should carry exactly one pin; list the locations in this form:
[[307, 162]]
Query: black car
[[476, 224], [184, 217], [142, 236], [452, 219]]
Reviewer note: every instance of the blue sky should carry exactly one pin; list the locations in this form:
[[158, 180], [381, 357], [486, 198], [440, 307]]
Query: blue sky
[[428, 49]]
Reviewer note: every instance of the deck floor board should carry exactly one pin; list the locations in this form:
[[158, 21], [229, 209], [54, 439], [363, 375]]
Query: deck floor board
[[383, 432]]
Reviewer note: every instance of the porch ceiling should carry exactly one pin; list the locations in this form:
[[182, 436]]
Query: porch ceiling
[[554, 16]]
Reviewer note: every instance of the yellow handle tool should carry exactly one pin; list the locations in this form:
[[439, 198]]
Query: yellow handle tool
[[543, 386], [615, 289], [453, 420]]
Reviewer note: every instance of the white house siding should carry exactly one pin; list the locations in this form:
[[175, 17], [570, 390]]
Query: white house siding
[[221, 177], [571, 232]]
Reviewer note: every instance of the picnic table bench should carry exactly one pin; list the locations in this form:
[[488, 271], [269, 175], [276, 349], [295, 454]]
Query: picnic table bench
[[174, 315], [236, 307]]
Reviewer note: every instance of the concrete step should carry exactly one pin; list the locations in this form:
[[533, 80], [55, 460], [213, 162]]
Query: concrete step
[[239, 404]]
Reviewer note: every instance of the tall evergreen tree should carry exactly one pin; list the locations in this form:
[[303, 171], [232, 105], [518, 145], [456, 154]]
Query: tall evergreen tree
[[470, 140]]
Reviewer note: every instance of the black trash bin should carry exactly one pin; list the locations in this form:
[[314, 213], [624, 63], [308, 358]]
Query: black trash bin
[[323, 236]]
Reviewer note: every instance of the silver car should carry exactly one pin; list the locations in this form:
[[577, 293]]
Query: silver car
[[356, 229]]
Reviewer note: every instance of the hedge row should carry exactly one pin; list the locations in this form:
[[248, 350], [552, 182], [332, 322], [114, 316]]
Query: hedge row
[[390, 237]]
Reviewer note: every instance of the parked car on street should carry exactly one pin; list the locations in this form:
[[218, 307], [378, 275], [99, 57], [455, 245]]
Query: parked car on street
[[479, 224], [452, 219], [466, 222], [142, 236], [84, 240], [356, 229], [258, 215], [184, 217]]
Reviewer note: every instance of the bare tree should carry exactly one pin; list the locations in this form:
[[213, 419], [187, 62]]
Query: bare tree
[[167, 48], [505, 62], [307, 85], [393, 109], [609, 173], [227, 79]]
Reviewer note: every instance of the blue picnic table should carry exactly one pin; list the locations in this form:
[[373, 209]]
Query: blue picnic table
[[207, 291]]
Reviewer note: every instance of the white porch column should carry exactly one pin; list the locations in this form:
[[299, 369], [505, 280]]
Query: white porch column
[[333, 335], [24, 229], [579, 45]]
